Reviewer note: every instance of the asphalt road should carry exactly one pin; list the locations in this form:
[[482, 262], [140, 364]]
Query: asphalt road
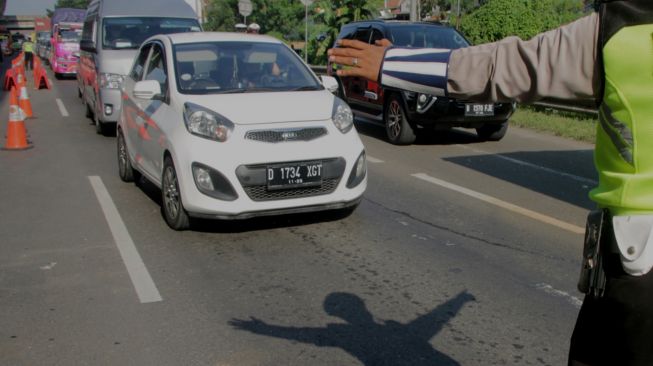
[[461, 252]]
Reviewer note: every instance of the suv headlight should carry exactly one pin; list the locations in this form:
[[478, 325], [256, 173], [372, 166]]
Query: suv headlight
[[342, 116], [206, 123], [111, 81]]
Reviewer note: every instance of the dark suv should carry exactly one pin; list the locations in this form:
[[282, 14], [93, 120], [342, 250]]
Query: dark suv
[[404, 113]]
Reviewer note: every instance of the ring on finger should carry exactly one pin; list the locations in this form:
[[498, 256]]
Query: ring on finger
[[355, 61]]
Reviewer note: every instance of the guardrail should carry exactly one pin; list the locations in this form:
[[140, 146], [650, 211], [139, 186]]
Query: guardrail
[[322, 70]]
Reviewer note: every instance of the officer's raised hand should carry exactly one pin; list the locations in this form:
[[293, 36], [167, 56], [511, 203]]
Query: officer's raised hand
[[365, 59]]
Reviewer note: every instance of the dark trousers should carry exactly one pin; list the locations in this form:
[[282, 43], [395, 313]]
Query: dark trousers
[[616, 329], [29, 61]]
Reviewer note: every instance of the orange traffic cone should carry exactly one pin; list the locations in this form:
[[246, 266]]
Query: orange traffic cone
[[10, 80], [23, 98], [16, 132], [41, 79]]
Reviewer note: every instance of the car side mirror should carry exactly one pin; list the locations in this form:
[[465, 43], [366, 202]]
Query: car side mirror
[[147, 89], [87, 45], [330, 83]]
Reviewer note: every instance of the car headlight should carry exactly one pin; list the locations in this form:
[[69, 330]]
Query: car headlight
[[424, 102], [111, 81], [206, 123], [342, 116], [358, 172]]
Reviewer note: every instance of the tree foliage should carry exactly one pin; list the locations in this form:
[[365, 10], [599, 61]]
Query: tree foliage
[[498, 19], [78, 4]]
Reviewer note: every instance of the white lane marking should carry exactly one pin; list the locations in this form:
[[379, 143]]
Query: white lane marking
[[62, 108], [374, 160], [552, 291], [503, 204], [535, 166], [141, 279], [48, 267]]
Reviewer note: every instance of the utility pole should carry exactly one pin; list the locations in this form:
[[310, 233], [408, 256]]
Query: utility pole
[[413, 11], [306, 3]]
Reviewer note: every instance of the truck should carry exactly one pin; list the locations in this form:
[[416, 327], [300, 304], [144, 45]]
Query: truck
[[66, 33]]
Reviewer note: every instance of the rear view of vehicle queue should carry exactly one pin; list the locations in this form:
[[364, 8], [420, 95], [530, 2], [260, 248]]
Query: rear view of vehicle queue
[[606, 56]]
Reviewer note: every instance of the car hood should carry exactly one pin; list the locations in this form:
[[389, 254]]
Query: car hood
[[276, 107], [117, 62]]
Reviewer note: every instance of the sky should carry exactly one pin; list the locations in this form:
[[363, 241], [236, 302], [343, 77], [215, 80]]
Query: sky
[[38, 7], [28, 7]]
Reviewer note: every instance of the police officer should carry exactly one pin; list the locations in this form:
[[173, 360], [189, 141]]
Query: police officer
[[28, 50], [608, 57]]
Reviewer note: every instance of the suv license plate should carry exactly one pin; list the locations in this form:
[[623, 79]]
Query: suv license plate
[[479, 110], [293, 175]]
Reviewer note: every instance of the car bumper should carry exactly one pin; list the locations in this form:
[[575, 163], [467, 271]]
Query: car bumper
[[246, 174], [109, 99], [451, 113]]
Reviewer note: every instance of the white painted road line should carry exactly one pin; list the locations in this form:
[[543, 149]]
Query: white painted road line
[[374, 160], [535, 166], [503, 204], [145, 287], [573, 300], [62, 108]]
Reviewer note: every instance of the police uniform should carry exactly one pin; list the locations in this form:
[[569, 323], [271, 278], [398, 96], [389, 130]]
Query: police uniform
[[28, 49], [606, 57]]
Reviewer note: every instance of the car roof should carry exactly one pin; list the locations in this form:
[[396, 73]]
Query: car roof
[[398, 23], [198, 37]]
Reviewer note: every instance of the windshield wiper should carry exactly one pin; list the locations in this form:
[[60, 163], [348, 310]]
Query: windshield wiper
[[306, 88]]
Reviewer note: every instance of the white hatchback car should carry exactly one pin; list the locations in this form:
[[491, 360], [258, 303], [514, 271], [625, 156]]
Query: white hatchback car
[[232, 126]]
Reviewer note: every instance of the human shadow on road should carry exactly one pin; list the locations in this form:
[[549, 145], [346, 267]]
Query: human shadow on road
[[388, 343]]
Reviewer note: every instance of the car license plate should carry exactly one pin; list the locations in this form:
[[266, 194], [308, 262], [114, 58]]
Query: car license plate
[[293, 175], [479, 110]]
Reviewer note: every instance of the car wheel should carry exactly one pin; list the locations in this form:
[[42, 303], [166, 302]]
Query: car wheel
[[102, 128], [171, 204], [397, 128], [492, 132], [125, 169]]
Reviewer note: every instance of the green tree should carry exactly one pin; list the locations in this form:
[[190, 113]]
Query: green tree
[[79, 4], [498, 19], [334, 14], [221, 15]]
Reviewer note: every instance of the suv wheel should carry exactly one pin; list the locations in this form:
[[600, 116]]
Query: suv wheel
[[492, 132], [397, 128]]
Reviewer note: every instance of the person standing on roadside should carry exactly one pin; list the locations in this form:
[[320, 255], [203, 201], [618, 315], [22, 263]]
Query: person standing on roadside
[[606, 56], [28, 50]]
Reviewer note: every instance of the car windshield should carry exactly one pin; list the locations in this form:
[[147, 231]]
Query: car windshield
[[240, 67], [70, 35], [121, 33], [429, 36]]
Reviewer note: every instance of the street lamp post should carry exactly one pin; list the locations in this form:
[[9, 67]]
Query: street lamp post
[[306, 3]]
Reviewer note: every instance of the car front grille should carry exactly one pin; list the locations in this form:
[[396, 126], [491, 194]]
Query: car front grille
[[253, 179], [261, 193], [286, 135]]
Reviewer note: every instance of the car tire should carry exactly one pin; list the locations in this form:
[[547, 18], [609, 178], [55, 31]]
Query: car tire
[[171, 203], [492, 132], [397, 128], [102, 128], [125, 169]]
